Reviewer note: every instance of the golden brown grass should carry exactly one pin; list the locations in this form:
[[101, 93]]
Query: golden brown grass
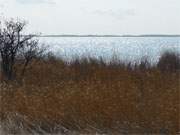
[[89, 96]]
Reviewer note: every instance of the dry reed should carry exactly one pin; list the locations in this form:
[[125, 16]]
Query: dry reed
[[91, 96]]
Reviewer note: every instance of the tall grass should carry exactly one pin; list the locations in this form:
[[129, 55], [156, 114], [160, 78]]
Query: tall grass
[[92, 96]]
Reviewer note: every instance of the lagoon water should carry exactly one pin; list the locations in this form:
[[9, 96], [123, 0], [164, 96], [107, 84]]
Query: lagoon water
[[125, 48]]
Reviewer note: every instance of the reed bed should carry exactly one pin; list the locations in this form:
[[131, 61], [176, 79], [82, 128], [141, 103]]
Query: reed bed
[[90, 96]]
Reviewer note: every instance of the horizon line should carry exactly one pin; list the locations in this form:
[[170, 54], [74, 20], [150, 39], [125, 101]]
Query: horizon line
[[108, 35]]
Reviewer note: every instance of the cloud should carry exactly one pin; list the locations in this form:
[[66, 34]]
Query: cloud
[[35, 1], [1, 5], [117, 14]]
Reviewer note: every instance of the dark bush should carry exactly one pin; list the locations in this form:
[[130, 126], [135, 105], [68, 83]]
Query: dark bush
[[14, 45], [169, 61]]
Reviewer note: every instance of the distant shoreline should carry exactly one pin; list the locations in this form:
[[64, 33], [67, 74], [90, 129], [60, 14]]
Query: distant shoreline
[[108, 35]]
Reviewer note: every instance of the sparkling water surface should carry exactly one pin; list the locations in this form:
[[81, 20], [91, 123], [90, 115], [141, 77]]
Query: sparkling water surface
[[124, 48]]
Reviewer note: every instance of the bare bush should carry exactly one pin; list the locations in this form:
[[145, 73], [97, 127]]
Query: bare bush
[[14, 44]]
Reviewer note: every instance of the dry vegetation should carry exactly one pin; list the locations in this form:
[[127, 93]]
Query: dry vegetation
[[91, 96]]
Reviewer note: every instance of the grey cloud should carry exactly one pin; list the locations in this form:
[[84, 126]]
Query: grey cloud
[[118, 14], [1, 6], [35, 1]]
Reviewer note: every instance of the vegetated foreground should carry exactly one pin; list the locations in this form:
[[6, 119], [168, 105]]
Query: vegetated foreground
[[91, 96]]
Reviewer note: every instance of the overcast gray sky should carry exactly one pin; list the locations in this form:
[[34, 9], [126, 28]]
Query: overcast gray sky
[[96, 16]]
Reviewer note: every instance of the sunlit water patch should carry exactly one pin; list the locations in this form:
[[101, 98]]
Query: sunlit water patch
[[125, 48]]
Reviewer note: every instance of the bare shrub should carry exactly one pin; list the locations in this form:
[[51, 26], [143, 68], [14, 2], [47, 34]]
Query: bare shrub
[[14, 43]]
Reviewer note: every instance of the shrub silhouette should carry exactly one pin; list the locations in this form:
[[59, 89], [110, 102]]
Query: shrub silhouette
[[169, 61], [15, 45]]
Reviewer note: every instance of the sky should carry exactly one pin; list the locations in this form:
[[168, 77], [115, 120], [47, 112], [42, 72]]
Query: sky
[[95, 16]]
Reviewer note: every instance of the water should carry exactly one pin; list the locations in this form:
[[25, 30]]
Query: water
[[125, 48]]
